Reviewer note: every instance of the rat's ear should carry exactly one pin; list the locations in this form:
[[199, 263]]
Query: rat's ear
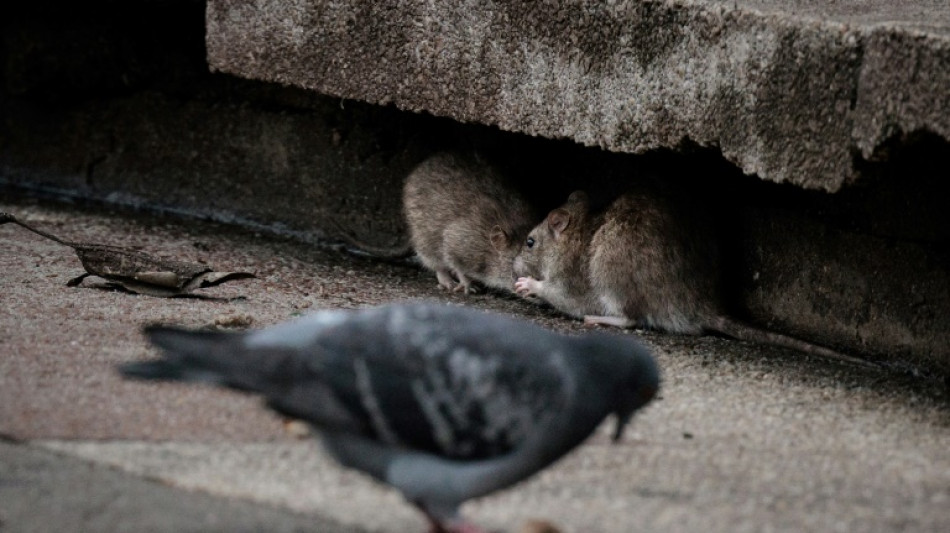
[[558, 220], [578, 198], [499, 239]]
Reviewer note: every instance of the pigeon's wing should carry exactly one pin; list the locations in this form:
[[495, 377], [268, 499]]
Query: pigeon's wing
[[463, 403], [452, 382], [456, 383]]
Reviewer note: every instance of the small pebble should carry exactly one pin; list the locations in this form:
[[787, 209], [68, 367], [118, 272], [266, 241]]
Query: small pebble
[[297, 429]]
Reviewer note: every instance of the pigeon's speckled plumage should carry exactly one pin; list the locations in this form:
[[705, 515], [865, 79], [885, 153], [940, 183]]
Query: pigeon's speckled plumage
[[444, 403]]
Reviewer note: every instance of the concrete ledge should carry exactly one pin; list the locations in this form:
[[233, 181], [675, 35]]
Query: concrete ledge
[[789, 91]]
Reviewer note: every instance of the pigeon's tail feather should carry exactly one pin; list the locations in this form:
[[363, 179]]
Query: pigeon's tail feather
[[173, 371], [205, 356], [187, 342]]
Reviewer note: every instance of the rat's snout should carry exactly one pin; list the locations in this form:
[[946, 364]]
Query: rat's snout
[[523, 267], [518, 267]]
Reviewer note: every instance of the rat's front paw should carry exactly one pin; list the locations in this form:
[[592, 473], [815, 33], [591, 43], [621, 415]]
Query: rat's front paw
[[528, 286]]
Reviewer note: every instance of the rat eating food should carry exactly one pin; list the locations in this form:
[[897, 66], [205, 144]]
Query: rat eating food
[[648, 260]]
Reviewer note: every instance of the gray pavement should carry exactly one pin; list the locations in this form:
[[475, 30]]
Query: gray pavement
[[743, 438], [46, 491]]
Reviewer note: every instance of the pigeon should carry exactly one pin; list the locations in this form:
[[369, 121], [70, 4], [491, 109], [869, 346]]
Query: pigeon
[[444, 403]]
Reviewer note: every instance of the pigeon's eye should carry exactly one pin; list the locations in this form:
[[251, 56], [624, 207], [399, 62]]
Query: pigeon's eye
[[530, 242]]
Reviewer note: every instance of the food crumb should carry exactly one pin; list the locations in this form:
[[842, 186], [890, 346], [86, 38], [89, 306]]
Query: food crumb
[[236, 320]]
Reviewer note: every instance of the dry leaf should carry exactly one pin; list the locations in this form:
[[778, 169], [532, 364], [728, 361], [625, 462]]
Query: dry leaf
[[136, 271]]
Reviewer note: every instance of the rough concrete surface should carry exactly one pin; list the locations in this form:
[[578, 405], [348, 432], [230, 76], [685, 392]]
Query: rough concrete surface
[[789, 91], [743, 438]]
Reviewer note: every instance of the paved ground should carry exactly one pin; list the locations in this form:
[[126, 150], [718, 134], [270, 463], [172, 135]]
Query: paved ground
[[744, 438], [45, 491]]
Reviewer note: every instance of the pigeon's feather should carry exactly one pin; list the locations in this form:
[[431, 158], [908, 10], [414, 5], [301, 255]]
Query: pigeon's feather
[[479, 391], [444, 403], [290, 380]]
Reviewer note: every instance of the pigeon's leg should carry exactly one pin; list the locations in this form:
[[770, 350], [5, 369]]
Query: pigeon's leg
[[455, 526], [617, 321], [446, 520], [446, 280]]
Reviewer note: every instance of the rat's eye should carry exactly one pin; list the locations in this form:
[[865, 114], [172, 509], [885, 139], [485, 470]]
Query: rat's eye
[[530, 242]]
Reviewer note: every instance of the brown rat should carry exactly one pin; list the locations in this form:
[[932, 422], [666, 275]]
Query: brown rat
[[647, 261], [466, 221]]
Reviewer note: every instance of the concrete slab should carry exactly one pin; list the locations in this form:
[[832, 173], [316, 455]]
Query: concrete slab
[[789, 91], [42, 491], [744, 438]]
